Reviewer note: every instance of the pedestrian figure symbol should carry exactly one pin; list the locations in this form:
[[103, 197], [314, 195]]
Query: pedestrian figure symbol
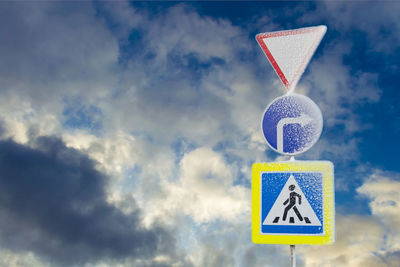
[[291, 207], [292, 203]]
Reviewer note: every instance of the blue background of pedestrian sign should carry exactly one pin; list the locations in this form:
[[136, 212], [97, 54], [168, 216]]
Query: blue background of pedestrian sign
[[296, 138], [311, 183]]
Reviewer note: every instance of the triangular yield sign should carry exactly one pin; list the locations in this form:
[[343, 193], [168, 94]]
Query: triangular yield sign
[[290, 51], [299, 212]]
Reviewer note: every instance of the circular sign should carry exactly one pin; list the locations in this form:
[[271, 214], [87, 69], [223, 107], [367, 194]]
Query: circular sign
[[292, 124]]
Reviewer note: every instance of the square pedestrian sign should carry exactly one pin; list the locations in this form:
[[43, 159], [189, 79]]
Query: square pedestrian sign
[[293, 203]]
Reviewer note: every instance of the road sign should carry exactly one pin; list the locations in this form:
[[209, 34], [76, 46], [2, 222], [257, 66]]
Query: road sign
[[293, 203], [292, 124], [290, 51], [287, 201]]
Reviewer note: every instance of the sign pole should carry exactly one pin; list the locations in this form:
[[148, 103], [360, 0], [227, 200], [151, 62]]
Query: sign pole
[[292, 256], [292, 247]]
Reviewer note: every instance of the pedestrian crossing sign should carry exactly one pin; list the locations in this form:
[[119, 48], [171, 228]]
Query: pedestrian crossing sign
[[293, 203]]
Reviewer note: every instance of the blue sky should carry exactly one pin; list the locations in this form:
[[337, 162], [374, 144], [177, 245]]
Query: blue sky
[[128, 131]]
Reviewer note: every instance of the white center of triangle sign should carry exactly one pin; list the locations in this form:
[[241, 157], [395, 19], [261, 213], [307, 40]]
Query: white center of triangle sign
[[290, 51]]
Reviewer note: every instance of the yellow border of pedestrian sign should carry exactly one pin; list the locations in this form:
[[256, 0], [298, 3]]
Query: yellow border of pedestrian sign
[[324, 167]]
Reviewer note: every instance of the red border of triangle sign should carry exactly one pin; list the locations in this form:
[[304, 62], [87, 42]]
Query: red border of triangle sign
[[301, 43]]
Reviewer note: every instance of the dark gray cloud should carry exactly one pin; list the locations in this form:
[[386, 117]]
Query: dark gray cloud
[[51, 50], [53, 203], [2, 128]]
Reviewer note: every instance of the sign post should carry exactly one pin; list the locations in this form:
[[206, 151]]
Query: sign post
[[292, 256], [292, 201]]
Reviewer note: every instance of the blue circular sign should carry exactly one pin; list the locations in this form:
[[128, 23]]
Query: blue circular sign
[[292, 124]]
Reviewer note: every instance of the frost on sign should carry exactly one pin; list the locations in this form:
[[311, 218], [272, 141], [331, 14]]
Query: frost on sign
[[293, 203], [290, 51], [292, 124], [292, 207]]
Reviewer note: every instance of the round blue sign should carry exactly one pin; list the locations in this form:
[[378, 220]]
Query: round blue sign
[[292, 124]]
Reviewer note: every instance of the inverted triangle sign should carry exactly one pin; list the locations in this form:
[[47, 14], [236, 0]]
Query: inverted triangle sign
[[290, 51]]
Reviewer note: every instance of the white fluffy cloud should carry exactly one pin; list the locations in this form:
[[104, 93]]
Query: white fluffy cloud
[[382, 189], [207, 182], [365, 240], [358, 241], [11, 259], [204, 191]]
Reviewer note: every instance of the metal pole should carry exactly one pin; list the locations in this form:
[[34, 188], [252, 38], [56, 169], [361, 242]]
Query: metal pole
[[292, 256], [292, 247]]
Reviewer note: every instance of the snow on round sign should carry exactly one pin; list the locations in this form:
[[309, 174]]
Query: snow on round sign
[[292, 124]]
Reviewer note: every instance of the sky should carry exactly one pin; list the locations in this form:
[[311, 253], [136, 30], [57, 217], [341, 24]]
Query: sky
[[128, 131]]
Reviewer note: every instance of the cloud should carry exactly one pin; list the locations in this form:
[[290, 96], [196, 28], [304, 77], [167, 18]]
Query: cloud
[[205, 191], [356, 15], [340, 96], [53, 203], [53, 50], [382, 189], [121, 16], [185, 79], [9, 258], [357, 241], [114, 154], [207, 182], [227, 243], [365, 240]]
